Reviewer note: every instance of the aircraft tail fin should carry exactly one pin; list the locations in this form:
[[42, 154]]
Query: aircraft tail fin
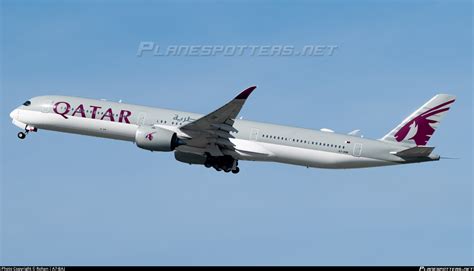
[[418, 128]]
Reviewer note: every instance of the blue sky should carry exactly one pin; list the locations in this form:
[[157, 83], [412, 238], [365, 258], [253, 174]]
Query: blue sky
[[74, 200]]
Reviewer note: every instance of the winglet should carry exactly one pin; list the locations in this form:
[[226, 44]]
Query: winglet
[[246, 93]]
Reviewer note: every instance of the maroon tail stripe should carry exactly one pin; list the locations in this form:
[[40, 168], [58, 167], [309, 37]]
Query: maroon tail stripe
[[438, 106]]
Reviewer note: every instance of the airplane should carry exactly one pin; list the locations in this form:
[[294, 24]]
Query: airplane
[[219, 140]]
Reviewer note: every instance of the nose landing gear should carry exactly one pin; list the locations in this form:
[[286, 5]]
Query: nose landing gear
[[21, 135], [28, 128]]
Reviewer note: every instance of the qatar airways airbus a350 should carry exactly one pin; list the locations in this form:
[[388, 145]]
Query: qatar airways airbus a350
[[219, 140]]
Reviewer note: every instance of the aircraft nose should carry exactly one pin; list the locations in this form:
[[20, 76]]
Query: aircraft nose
[[14, 114]]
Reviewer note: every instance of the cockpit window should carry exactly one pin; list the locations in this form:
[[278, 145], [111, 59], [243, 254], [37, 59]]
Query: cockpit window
[[26, 103]]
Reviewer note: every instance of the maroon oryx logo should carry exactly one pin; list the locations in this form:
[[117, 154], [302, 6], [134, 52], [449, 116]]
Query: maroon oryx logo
[[419, 127], [149, 136]]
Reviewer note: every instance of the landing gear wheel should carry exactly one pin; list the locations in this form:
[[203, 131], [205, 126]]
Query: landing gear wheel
[[236, 170], [21, 135], [227, 170], [208, 165]]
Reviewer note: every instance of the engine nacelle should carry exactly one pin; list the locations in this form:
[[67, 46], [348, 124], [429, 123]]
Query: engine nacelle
[[156, 139], [190, 158]]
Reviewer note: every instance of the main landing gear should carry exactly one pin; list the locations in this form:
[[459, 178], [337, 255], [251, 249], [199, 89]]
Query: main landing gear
[[224, 163]]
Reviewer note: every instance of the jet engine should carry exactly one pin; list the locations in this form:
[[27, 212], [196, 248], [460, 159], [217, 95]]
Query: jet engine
[[156, 139]]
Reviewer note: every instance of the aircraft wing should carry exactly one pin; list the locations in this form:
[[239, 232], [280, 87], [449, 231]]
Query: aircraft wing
[[213, 130]]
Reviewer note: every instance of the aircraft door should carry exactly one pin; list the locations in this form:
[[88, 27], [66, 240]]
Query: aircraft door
[[357, 150], [254, 134], [141, 118], [46, 107]]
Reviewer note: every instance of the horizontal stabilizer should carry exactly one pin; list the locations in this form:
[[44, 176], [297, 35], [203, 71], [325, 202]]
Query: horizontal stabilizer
[[415, 152]]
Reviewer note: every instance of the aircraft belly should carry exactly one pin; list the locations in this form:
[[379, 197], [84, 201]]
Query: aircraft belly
[[316, 158]]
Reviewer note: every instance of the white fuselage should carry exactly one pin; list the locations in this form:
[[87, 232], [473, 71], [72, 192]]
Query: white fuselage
[[253, 141]]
